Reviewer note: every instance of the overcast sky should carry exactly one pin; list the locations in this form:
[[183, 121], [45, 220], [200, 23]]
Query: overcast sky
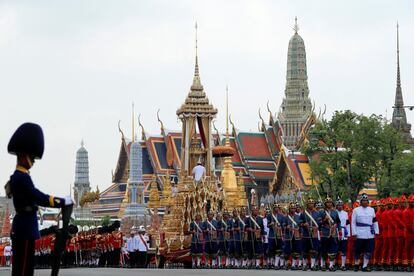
[[76, 66]]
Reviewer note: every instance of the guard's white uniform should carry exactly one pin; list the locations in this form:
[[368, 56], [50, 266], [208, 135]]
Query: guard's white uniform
[[141, 243], [345, 226], [198, 172], [364, 227], [364, 223], [130, 244]]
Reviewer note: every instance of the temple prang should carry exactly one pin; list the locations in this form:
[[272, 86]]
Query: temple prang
[[296, 106], [399, 117]]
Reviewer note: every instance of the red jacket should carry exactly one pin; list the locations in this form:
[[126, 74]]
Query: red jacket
[[408, 219], [381, 226], [385, 223], [399, 224]]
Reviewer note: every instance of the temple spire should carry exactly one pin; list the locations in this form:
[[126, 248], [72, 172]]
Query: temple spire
[[398, 60], [399, 117], [82, 184], [296, 105], [196, 71], [399, 102], [227, 117], [196, 80], [133, 123]]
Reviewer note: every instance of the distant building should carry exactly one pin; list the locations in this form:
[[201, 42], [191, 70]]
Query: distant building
[[257, 153], [81, 185], [296, 107], [399, 118]]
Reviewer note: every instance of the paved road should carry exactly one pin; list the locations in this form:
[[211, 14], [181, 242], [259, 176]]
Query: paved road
[[190, 272]]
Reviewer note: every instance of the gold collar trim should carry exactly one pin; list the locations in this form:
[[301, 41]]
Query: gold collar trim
[[21, 169]]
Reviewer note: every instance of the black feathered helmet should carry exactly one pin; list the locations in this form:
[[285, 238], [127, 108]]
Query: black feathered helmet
[[27, 139]]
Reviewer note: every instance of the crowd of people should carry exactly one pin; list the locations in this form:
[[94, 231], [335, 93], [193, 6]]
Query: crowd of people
[[5, 253], [314, 236], [91, 248]]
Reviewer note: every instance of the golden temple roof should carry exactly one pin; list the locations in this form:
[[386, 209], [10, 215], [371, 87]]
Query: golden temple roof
[[196, 103]]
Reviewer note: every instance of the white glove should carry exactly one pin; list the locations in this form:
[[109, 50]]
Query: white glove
[[68, 200]]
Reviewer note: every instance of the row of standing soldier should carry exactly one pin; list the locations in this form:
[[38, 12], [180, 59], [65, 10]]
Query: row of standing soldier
[[90, 248], [301, 237]]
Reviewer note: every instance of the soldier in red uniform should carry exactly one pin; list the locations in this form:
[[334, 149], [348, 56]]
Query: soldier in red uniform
[[398, 238], [71, 252], [350, 249], [372, 262], [117, 245], [379, 240], [102, 249], [408, 218], [387, 235]]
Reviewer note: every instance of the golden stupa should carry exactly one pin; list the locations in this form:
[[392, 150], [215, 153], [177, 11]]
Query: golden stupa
[[190, 198]]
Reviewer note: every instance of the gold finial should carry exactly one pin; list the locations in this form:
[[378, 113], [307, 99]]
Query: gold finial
[[296, 27], [133, 123]]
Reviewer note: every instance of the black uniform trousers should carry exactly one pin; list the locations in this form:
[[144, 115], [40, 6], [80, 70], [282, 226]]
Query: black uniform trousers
[[23, 257], [141, 259]]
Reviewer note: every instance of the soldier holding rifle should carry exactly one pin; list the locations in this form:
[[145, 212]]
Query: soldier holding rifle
[[222, 238], [310, 233], [255, 230], [196, 241], [238, 239], [228, 239], [293, 241], [275, 221], [329, 235], [210, 239], [27, 143]]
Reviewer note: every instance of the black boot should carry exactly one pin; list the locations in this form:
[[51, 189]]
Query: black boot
[[366, 269], [356, 268]]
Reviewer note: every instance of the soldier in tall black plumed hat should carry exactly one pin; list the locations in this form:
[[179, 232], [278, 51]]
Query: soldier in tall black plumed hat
[[27, 144]]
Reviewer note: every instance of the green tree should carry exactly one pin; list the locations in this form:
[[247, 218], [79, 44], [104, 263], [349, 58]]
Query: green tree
[[398, 179], [105, 220], [351, 150]]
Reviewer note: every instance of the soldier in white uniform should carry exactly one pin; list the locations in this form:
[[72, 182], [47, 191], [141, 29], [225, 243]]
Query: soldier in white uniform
[[344, 232], [364, 228], [199, 172], [142, 247], [130, 248]]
